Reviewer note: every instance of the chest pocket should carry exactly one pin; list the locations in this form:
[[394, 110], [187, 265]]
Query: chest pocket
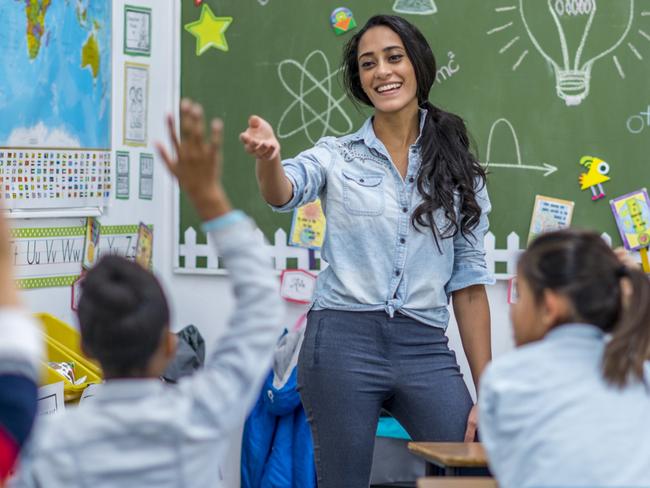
[[363, 194]]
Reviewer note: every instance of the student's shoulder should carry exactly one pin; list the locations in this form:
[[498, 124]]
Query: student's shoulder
[[53, 432], [523, 365]]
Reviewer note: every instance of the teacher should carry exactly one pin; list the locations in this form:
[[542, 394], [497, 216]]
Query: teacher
[[406, 208]]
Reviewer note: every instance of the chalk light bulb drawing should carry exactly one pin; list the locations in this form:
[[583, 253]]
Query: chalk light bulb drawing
[[587, 30]]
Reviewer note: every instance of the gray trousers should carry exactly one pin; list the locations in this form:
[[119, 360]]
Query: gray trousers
[[352, 364]]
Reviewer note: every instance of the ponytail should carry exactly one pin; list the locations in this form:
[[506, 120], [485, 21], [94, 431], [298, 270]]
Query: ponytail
[[629, 347], [602, 292], [449, 171]]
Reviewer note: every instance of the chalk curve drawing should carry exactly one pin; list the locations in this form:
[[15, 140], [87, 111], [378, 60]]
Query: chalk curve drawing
[[415, 7], [572, 74], [263, 2], [547, 169], [323, 86]]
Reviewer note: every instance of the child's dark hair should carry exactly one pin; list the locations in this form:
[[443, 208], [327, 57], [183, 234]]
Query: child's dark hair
[[122, 316], [448, 166], [582, 267]]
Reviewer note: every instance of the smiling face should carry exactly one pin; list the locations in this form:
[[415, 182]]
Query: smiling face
[[386, 72]]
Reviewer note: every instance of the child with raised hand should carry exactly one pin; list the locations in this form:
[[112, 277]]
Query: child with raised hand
[[570, 406], [137, 431], [21, 348]]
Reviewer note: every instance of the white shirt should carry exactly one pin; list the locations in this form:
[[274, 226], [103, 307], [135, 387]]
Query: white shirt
[[549, 419], [143, 433]]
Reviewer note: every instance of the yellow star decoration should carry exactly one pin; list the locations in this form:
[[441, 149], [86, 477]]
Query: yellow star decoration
[[209, 31]]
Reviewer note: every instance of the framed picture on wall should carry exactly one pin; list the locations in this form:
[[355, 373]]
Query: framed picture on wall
[[136, 104], [137, 31], [122, 172], [146, 176]]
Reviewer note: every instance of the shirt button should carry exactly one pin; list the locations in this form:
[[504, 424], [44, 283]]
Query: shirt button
[[361, 180], [411, 179], [402, 240], [397, 272], [405, 209]]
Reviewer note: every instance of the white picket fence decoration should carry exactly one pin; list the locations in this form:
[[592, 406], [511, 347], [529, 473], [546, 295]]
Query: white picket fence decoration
[[281, 252]]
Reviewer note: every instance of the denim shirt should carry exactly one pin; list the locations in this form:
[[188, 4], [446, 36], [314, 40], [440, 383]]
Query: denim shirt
[[377, 259], [549, 419]]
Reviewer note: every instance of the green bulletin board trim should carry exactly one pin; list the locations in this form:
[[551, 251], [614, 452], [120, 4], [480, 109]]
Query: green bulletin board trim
[[76, 231], [30, 283]]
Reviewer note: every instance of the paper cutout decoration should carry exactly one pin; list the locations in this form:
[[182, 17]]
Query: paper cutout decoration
[[549, 214], [297, 285], [76, 292], [513, 293], [308, 226], [50, 399], [594, 177], [91, 241], [209, 31], [144, 246], [342, 20]]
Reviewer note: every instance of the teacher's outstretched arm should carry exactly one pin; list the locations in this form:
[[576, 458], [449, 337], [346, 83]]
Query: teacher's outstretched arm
[[260, 141]]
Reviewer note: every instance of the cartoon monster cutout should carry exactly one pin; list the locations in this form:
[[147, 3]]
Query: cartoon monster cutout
[[594, 177]]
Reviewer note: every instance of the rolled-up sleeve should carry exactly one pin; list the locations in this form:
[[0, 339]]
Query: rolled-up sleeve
[[470, 267], [307, 173]]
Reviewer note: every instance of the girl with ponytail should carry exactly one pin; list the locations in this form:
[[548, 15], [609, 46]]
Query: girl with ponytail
[[406, 208], [571, 406]]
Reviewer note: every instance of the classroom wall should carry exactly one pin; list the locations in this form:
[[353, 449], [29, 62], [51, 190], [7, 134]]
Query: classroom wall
[[197, 299]]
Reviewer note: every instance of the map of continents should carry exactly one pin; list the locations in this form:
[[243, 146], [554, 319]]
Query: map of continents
[[55, 76]]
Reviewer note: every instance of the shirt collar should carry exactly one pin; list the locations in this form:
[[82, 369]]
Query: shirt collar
[[575, 330], [367, 134]]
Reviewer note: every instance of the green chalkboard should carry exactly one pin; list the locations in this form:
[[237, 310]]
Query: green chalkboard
[[539, 83]]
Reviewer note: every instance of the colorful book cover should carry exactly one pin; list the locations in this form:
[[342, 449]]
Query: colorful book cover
[[549, 214], [144, 247], [632, 214], [91, 242]]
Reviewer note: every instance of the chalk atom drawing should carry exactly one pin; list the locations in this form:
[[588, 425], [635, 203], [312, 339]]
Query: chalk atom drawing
[[415, 7], [546, 168], [315, 121]]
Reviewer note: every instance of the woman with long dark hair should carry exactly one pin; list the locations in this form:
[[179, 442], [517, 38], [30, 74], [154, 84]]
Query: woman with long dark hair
[[406, 208]]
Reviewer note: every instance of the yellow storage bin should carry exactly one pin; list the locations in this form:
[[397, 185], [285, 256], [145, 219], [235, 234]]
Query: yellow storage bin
[[67, 337], [63, 344]]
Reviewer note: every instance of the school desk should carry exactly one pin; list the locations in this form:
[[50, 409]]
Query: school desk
[[451, 458], [468, 482]]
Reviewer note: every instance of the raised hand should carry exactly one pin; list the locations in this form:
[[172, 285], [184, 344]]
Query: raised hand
[[197, 163]]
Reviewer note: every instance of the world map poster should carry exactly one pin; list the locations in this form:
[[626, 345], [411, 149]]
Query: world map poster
[[55, 103]]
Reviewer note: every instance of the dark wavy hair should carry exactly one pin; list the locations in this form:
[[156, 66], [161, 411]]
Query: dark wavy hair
[[122, 315], [580, 266], [448, 166]]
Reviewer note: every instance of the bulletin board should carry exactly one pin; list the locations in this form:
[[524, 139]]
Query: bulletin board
[[541, 85]]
